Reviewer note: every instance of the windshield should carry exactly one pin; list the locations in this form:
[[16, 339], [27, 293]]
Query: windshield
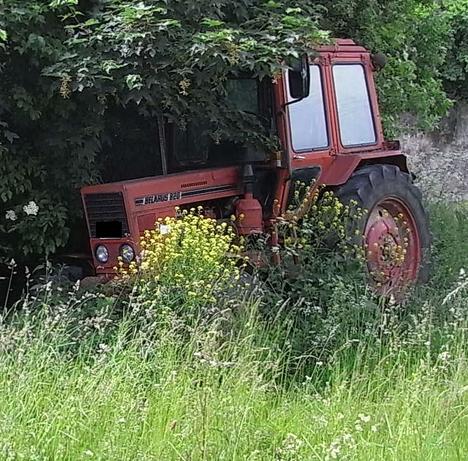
[[195, 145], [242, 94], [130, 135]]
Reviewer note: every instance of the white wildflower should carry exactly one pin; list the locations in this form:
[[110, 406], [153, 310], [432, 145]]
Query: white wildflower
[[290, 448], [10, 215], [444, 356], [31, 209], [348, 439], [164, 229], [364, 418], [103, 348], [334, 450]]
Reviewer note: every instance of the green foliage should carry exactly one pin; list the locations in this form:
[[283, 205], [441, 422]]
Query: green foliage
[[174, 59], [321, 279], [47, 142], [456, 70], [414, 36]]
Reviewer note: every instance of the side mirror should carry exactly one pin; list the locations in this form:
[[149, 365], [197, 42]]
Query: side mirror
[[299, 78]]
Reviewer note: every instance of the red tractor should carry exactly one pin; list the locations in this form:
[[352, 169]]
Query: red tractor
[[326, 114]]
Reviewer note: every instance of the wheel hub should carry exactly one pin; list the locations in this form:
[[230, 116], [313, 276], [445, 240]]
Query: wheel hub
[[392, 245]]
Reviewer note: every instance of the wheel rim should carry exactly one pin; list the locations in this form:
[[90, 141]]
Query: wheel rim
[[393, 246]]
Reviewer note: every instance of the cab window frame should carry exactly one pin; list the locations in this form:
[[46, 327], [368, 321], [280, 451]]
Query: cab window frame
[[326, 113], [375, 142]]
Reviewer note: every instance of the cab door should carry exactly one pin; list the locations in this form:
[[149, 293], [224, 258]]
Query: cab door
[[310, 139]]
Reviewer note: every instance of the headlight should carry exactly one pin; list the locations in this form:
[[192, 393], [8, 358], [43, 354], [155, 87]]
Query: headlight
[[102, 254], [127, 253]]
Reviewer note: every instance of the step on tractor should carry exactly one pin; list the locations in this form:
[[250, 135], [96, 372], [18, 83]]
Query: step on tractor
[[325, 112]]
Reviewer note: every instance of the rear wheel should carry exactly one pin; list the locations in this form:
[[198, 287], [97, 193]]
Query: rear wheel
[[394, 230]]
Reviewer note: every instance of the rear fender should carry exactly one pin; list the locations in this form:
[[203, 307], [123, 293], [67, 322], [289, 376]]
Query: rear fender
[[344, 165]]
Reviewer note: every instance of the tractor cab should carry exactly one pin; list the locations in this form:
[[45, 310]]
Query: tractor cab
[[324, 112]]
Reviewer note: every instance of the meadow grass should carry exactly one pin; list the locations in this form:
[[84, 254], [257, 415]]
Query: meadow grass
[[397, 392]]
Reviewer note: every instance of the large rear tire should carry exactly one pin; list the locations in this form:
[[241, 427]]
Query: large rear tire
[[394, 230]]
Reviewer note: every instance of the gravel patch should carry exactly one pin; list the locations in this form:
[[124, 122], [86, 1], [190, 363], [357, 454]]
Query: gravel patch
[[440, 160], [441, 172]]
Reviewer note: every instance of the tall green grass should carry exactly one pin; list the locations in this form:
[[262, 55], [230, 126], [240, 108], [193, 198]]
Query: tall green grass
[[95, 387]]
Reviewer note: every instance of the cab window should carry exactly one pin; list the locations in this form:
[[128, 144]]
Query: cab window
[[193, 146], [353, 104], [307, 116], [242, 94]]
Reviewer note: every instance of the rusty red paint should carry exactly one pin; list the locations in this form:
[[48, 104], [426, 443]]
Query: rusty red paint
[[393, 246]]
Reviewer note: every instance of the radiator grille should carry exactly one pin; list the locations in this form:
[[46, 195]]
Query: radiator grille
[[105, 208]]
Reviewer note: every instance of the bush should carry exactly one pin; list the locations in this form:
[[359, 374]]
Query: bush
[[319, 292], [185, 261]]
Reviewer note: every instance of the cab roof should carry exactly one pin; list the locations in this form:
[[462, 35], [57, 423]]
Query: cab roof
[[342, 45]]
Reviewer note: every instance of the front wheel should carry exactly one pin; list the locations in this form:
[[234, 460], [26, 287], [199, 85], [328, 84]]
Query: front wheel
[[394, 230]]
